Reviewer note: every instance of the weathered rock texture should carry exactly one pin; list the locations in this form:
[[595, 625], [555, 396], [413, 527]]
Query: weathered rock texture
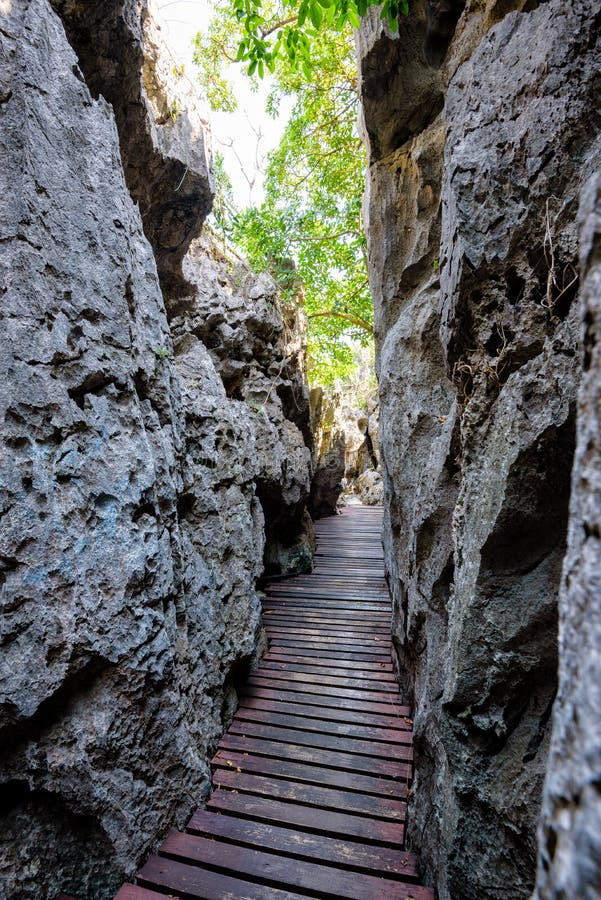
[[259, 351], [481, 125], [164, 141], [570, 836], [131, 520], [344, 420]]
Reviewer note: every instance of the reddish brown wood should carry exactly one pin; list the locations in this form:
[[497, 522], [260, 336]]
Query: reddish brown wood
[[328, 714], [382, 675], [132, 892], [326, 798], [303, 845], [318, 821], [336, 681], [310, 774], [296, 874], [352, 762], [340, 729], [181, 879], [376, 700], [311, 780]]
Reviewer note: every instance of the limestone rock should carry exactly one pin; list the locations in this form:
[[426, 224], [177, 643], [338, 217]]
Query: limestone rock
[[330, 453], [259, 351], [570, 834], [163, 129], [471, 219], [131, 532], [369, 488], [345, 436]]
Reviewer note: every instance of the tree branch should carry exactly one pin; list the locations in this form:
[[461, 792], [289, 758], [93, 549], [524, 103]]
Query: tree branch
[[323, 238], [277, 26], [352, 320]]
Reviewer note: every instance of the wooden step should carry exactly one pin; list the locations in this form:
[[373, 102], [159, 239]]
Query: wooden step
[[310, 782]]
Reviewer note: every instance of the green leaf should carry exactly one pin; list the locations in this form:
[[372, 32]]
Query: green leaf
[[353, 18], [302, 14], [311, 211], [315, 14]]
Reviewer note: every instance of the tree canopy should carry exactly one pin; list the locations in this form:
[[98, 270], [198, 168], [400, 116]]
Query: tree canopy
[[311, 212]]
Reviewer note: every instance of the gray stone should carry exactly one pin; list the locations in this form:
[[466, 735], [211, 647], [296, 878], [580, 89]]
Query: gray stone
[[330, 453], [259, 351], [473, 260], [131, 532], [162, 123], [570, 832]]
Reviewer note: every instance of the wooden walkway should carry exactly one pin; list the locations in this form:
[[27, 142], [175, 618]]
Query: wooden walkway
[[311, 779]]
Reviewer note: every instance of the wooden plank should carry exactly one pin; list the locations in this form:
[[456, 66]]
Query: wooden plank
[[278, 871], [133, 892], [279, 655], [192, 881], [380, 676], [337, 592], [362, 638], [380, 601], [267, 690], [380, 700], [339, 655], [351, 606], [317, 739], [288, 720], [311, 779], [309, 774], [380, 620], [316, 643], [290, 620], [329, 714], [303, 845], [325, 798], [351, 762], [355, 582], [335, 681], [319, 821]]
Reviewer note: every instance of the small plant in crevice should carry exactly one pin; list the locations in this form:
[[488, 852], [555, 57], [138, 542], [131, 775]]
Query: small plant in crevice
[[465, 374], [175, 108], [562, 279]]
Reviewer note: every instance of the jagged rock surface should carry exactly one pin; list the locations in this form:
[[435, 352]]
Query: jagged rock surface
[[345, 437], [163, 132], [131, 533], [471, 210], [570, 835], [330, 454], [258, 349]]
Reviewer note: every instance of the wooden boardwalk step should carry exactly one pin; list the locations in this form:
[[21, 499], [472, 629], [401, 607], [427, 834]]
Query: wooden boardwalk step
[[310, 782], [351, 855], [275, 869], [309, 774]]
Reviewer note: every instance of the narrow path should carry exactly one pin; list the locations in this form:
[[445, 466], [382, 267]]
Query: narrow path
[[311, 779]]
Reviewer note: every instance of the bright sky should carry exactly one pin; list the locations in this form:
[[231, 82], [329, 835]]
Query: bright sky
[[235, 134]]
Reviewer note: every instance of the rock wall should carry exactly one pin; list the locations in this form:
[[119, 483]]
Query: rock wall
[[482, 124], [570, 833], [346, 458], [132, 476]]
